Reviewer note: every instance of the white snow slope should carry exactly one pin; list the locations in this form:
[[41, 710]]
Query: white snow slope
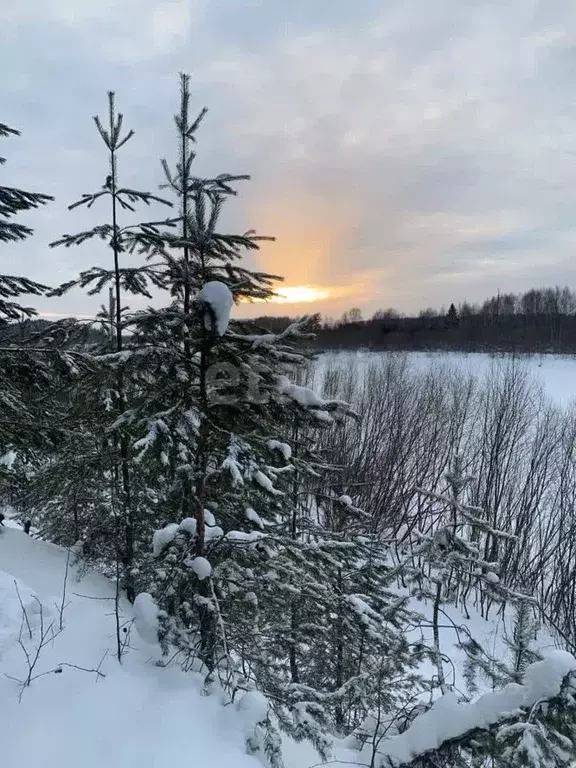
[[137, 715]]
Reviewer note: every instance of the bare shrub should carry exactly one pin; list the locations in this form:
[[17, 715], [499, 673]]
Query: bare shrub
[[517, 444]]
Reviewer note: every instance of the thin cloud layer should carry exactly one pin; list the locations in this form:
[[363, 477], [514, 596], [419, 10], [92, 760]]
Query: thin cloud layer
[[422, 153]]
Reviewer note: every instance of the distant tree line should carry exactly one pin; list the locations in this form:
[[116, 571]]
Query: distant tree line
[[541, 319]]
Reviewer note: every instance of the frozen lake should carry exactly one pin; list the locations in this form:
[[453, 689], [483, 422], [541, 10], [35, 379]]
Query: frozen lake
[[556, 373]]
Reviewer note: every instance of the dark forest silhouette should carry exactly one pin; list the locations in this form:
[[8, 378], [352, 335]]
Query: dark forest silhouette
[[540, 320]]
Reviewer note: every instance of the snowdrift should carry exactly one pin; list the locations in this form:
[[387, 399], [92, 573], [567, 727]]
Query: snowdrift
[[82, 707]]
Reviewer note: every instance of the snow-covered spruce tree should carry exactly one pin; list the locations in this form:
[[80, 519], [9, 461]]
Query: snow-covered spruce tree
[[122, 241], [274, 597], [446, 565], [12, 202], [23, 375], [327, 629], [519, 641], [362, 652], [69, 495], [247, 574]]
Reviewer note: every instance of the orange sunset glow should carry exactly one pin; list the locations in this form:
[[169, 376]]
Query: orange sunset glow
[[300, 294], [304, 299], [309, 231]]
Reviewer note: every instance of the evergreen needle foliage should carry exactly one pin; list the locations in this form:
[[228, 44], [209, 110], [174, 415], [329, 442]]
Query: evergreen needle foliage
[[24, 376], [12, 202]]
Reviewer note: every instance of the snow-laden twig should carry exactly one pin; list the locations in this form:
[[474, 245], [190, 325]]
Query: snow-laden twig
[[294, 330], [469, 513]]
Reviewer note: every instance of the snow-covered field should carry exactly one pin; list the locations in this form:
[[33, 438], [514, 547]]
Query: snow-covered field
[[136, 714], [556, 373]]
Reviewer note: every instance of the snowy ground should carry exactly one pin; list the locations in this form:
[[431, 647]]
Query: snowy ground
[[137, 715], [556, 373]]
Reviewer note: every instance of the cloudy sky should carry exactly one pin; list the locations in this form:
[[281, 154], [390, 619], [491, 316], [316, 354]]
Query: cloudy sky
[[404, 153]]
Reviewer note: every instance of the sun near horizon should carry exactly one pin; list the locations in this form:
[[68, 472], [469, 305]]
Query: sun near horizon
[[300, 294]]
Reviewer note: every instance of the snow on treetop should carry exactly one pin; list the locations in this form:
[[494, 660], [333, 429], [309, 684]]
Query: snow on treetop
[[218, 296]]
